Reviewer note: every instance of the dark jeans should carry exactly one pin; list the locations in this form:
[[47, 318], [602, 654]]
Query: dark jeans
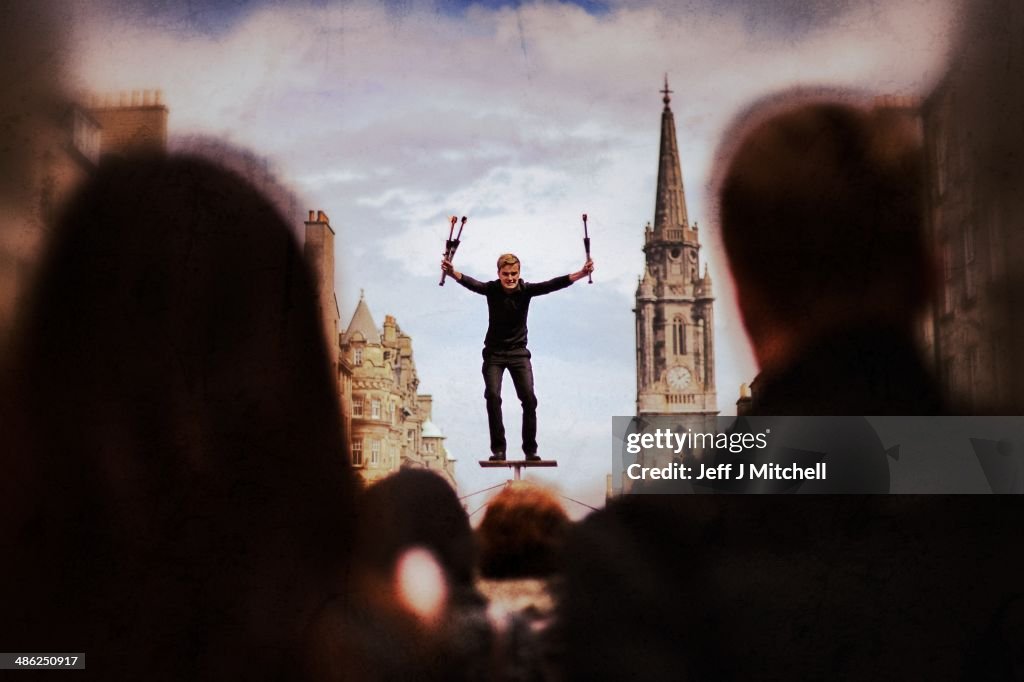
[[517, 362]]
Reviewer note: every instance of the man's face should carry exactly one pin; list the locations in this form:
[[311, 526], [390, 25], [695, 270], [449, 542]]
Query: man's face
[[508, 275]]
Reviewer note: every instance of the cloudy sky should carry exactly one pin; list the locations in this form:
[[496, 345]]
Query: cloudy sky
[[521, 115]]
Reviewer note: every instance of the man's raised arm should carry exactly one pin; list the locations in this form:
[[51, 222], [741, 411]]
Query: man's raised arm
[[465, 280], [541, 288]]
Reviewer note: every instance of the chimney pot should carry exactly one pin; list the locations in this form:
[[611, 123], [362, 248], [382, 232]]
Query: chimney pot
[[311, 216]]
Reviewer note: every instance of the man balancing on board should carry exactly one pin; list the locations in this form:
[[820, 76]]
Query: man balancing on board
[[508, 303]]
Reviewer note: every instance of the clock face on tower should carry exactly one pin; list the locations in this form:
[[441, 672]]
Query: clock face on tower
[[679, 378]]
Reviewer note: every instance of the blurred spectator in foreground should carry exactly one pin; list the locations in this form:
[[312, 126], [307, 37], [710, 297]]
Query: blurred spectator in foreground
[[821, 217], [521, 540], [793, 587], [185, 498], [34, 113], [414, 609]]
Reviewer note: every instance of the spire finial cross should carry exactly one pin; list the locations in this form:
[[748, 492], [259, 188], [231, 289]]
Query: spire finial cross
[[666, 92]]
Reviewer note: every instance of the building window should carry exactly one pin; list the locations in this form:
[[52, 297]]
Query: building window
[[357, 357], [940, 163], [410, 436], [969, 262], [947, 279], [86, 137], [375, 452], [948, 378], [998, 378], [357, 407], [972, 374], [678, 336], [375, 409], [996, 255], [357, 453]]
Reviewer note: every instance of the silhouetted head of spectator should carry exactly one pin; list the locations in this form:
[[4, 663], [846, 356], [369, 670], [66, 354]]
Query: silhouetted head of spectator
[[187, 453], [414, 599], [415, 508], [522, 533], [821, 216]]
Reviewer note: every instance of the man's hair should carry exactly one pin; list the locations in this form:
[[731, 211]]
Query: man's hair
[[522, 533], [821, 205], [507, 259]]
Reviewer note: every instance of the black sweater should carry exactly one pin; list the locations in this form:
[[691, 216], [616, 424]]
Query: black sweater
[[507, 310]]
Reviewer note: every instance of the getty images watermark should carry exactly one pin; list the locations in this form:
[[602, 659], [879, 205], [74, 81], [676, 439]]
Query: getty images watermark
[[698, 454]]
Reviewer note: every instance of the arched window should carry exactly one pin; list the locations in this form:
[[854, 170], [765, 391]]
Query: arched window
[[678, 336]]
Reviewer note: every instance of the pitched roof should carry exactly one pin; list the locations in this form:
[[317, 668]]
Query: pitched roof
[[362, 323]]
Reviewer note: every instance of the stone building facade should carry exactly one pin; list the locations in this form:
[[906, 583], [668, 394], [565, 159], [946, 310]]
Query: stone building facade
[[391, 425], [55, 148], [975, 203], [675, 340]]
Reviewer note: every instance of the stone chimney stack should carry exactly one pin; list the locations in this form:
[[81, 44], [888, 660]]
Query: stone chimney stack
[[425, 404], [319, 253], [131, 122]]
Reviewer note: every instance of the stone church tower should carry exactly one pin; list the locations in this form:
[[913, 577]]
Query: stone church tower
[[675, 340]]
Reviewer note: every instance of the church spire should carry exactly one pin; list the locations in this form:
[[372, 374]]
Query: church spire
[[670, 204]]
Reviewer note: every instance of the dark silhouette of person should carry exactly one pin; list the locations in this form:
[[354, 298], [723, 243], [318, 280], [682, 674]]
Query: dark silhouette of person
[[391, 519], [522, 536], [821, 220], [784, 587], [522, 533], [187, 496], [821, 212], [414, 611]]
